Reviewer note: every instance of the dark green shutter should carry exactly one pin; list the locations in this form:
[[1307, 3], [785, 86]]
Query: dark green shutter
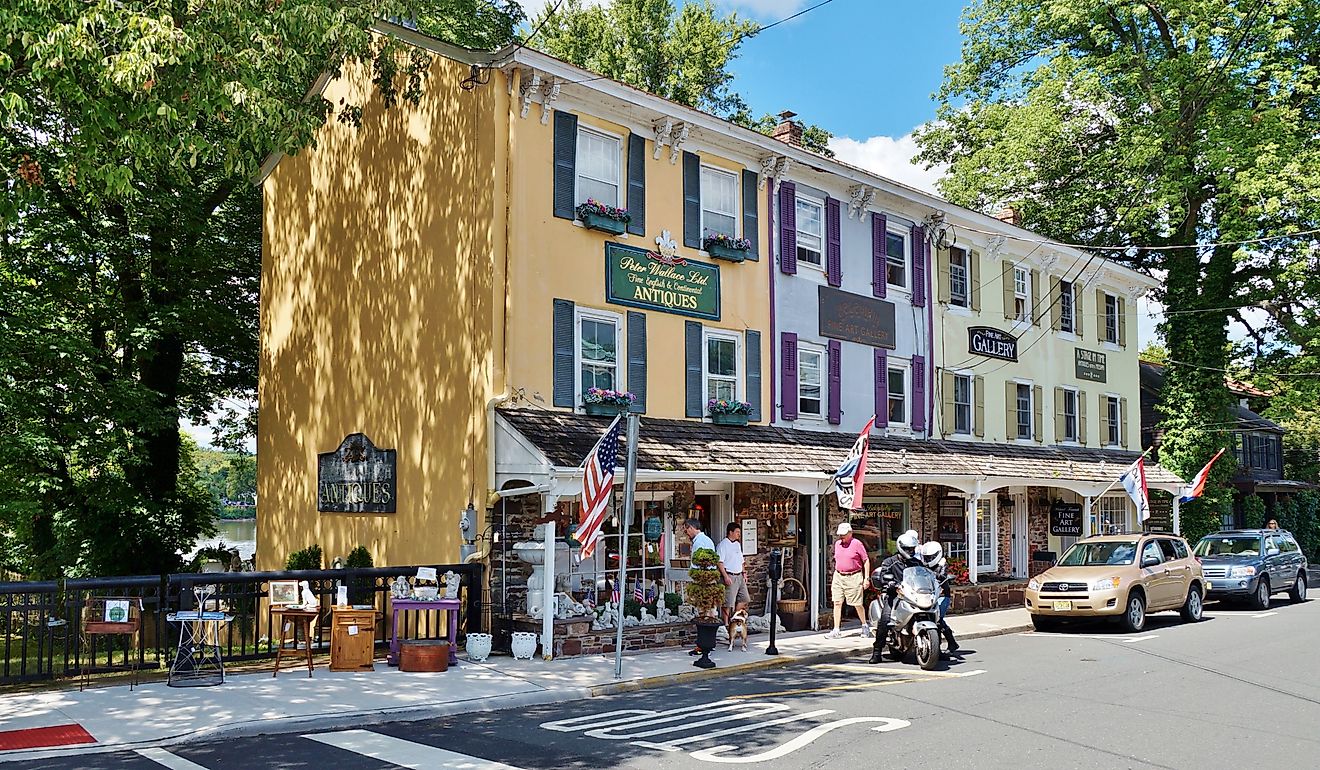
[[692, 344], [637, 184], [750, 219], [565, 163], [753, 355], [564, 354], [637, 359], [691, 202]]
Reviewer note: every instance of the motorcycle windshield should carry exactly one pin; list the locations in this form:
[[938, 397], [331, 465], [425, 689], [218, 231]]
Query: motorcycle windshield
[[920, 580]]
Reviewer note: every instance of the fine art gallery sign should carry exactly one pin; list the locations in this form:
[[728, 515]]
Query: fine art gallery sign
[[356, 478], [992, 343], [640, 278], [854, 318]]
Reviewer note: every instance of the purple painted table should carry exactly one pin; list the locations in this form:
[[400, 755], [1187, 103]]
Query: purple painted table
[[450, 606]]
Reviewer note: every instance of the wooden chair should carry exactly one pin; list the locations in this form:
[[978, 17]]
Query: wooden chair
[[100, 618]]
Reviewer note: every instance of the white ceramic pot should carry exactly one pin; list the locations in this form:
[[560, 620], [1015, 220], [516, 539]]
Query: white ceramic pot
[[524, 645], [478, 647]]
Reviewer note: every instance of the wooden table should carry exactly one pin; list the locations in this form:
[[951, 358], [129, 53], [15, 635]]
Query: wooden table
[[352, 639], [290, 620], [449, 606]]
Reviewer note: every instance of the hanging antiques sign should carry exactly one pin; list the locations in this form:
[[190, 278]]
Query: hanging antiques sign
[[356, 478], [992, 343], [1066, 519], [1090, 365], [640, 278], [854, 318]]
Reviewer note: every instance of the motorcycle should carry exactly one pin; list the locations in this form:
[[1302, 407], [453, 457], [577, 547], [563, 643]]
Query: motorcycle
[[915, 618]]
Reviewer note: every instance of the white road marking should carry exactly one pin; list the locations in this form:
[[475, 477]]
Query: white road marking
[[1132, 639], [860, 668], [172, 761], [718, 753], [403, 753], [674, 744], [1264, 614]]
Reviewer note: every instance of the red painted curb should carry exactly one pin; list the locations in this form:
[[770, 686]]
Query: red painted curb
[[44, 737]]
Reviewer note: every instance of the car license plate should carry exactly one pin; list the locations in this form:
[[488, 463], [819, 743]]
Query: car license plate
[[1063, 606]]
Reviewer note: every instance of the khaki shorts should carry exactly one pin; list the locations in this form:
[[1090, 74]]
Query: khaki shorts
[[847, 589], [736, 592]]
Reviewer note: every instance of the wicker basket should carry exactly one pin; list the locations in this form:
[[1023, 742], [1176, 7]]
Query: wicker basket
[[794, 605]]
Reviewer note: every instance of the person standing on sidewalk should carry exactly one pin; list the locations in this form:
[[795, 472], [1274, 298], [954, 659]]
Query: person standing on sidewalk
[[731, 568], [852, 566]]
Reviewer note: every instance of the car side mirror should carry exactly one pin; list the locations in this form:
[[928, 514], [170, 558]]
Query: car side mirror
[[1271, 551], [1150, 561]]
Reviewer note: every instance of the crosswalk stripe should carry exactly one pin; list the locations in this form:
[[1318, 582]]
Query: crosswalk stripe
[[859, 668], [172, 761], [403, 753]]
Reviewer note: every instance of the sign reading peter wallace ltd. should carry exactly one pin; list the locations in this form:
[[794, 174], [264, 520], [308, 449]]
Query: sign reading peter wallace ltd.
[[855, 318], [992, 343], [640, 278], [356, 478], [1090, 365]]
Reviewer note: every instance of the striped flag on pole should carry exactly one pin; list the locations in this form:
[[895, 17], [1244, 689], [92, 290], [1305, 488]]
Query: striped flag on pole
[[1197, 487], [639, 593], [598, 487], [1134, 481], [851, 476]]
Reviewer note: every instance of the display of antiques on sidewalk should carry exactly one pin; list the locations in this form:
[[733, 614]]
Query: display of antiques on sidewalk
[[198, 661], [424, 596]]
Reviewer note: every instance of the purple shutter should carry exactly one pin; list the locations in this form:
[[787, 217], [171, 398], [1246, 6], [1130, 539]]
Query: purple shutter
[[881, 387], [788, 375], [919, 256], [788, 239], [835, 383], [918, 393], [879, 245], [833, 251]]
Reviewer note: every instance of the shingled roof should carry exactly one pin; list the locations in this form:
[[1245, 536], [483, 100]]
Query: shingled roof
[[684, 445]]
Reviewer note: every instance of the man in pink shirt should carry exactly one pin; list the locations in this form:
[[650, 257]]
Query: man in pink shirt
[[852, 570]]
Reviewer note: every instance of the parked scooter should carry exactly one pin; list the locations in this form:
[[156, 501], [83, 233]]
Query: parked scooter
[[914, 622]]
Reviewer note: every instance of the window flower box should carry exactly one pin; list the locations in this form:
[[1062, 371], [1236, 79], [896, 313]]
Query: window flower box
[[599, 216], [728, 419], [602, 402], [722, 246], [728, 412]]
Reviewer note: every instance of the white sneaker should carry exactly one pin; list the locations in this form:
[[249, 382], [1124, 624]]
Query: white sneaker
[[833, 634], [866, 632]]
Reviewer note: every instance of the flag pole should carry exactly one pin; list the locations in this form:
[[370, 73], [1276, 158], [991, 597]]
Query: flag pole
[[629, 492], [1113, 483]]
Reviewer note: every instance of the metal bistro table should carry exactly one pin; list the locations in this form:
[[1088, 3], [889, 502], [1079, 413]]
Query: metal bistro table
[[449, 606], [197, 662]]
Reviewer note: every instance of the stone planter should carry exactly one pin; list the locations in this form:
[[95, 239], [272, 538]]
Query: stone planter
[[604, 410], [726, 253], [729, 419], [478, 646], [524, 645], [604, 224]]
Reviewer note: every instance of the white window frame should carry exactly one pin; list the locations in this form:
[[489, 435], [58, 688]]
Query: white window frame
[[1071, 316], [705, 206], [959, 273], [1031, 411], [578, 197], [971, 403], [987, 511], [1075, 438], [1111, 510], [707, 335], [818, 351], [821, 252], [1108, 319], [1114, 401], [1022, 293], [907, 258], [905, 368], [600, 316]]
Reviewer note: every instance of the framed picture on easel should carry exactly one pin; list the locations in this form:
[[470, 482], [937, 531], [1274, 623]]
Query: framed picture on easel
[[282, 593]]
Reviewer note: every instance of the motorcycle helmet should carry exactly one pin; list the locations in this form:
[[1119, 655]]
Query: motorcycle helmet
[[931, 553], [908, 542]]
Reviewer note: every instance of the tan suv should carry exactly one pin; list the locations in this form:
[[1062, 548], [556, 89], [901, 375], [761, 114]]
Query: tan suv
[[1121, 576]]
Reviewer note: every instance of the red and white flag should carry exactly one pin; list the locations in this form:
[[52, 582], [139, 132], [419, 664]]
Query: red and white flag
[[1134, 481], [598, 487], [1197, 487], [851, 476]]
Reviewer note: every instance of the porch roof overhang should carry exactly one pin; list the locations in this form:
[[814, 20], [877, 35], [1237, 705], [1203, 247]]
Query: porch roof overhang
[[546, 448]]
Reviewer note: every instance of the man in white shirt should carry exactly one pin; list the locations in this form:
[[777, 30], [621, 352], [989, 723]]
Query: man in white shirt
[[698, 538], [731, 568]]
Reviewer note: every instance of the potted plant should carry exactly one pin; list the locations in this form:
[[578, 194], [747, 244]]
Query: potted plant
[[725, 411], [706, 593], [599, 216], [599, 401], [721, 246]]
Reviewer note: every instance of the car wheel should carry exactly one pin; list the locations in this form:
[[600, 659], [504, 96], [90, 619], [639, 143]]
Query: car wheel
[[1193, 608], [1044, 622], [1298, 592], [1134, 618], [1261, 599]]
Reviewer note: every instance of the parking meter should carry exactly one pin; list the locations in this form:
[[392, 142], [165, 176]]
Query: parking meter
[[775, 571]]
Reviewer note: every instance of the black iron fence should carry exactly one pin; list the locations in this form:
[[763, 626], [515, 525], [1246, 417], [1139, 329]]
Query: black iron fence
[[41, 623]]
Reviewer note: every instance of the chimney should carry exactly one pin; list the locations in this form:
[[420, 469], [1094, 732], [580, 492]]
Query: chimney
[[788, 130], [1011, 215]]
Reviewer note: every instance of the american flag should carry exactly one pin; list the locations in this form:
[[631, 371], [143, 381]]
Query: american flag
[[614, 595], [639, 594], [598, 487]]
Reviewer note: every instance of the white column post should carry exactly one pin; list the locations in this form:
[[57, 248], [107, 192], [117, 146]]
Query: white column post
[[548, 594], [1177, 515], [1086, 516], [817, 549], [973, 536]]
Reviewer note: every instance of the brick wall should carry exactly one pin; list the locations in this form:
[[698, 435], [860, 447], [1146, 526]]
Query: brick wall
[[635, 638]]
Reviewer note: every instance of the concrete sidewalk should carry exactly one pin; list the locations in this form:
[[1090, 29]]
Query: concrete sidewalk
[[116, 718]]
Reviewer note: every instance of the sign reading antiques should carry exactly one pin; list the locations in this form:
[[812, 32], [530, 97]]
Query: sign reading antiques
[[1090, 365], [1066, 519], [356, 478], [855, 318], [638, 278], [992, 343]]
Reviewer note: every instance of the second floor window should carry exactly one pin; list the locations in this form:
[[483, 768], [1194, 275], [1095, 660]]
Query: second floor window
[[896, 259], [810, 231], [1021, 294], [811, 401], [1069, 411], [598, 352], [722, 366], [1113, 421], [958, 276], [1024, 411], [962, 403], [598, 163], [719, 202], [1111, 318], [1067, 308], [897, 396]]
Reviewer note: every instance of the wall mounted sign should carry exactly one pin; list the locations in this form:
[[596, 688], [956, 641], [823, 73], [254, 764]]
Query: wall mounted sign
[[855, 318], [992, 343], [1161, 512], [639, 278], [1090, 365], [1066, 519], [749, 543], [356, 478]]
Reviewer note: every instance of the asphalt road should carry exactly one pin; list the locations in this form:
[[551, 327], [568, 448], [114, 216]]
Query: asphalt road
[[1241, 688]]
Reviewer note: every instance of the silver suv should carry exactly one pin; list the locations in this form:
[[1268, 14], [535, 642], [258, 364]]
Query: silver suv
[[1252, 564]]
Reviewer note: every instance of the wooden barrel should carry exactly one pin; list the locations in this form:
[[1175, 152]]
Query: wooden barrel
[[424, 655]]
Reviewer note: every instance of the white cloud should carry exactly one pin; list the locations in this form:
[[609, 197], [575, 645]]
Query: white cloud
[[888, 157]]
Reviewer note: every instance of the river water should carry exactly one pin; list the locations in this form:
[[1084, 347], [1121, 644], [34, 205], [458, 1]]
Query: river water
[[233, 534]]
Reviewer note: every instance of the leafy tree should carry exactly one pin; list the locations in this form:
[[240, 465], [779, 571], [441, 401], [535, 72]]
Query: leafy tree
[[1165, 126], [130, 133]]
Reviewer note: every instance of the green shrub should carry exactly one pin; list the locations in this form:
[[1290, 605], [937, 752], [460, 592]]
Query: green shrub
[[307, 558], [672, 602], [359, 588], [1253, 511], [706, 591]]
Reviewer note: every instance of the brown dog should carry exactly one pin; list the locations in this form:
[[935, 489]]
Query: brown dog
[[738, 629]]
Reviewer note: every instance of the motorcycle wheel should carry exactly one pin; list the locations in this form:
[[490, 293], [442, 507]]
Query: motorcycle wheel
[[928, 649]]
